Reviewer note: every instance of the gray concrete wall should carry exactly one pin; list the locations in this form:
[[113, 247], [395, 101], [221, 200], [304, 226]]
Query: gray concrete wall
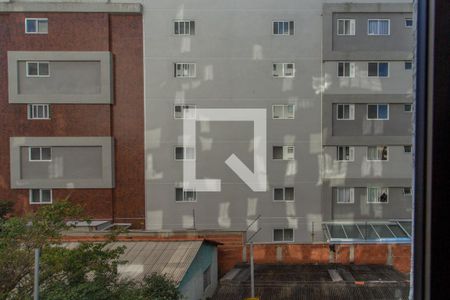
[[77, 162], [66, 163], [398, 123], [75, 77]]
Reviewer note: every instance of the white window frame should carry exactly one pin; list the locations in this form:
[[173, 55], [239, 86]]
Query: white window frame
[[37, 25], [38, 67], [183, 111], [351, 69], [184, 153], [284, 240], [285, 155], [406, 21], [284, 194], [283, 70], [378, 69], [289, 27], [378, 112], [387, 154], [351, 153], [379, 194], [31, 110], [351, 112], [352, 27], [378, 27], [184, 195], [30, 193], [184, 21], [405, 193], [40, 154], [285, 112], [189, 65], [351, 192]]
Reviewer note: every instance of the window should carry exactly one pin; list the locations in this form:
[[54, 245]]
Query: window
[[345, 195], [377, 195], [185, 70], [407, 148], [184, 27], [407, 191], [40, 153], [40, 196], [379, 27], [346, 69], [283, 111], [38, 69], [407, 108], [377, 111], [377, 153], [283, 194], [185, 195], [345, 27], [378, 69], [38, 111], [283, 70], [283, 152], [184, 153], [408, 65], [283, 27], [185, 111], [206, 278], [36, 25], [408, 22], [345, 111], [283, 235], [345, 153]]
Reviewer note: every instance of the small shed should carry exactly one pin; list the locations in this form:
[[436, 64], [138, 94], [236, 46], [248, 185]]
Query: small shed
[[192, 264]]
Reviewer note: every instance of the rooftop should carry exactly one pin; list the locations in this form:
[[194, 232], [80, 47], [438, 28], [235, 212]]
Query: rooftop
[[333, 281]]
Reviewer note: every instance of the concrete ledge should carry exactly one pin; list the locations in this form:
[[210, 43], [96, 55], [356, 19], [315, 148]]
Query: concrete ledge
[[130, 8], [104, 57], [107, 180]]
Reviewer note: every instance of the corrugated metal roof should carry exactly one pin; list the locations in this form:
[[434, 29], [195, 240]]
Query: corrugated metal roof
[[145, 257]]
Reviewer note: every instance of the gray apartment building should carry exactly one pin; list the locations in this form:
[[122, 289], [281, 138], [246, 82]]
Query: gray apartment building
[[333, 80]]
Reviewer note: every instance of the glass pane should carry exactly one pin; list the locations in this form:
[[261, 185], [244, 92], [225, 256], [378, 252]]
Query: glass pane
[[383, 196], [277, 152], [384, 27], [340, 69], [372, 111], [35, 196], [278, 235], [179, 153], [181, 27], [336, 231], [340, 27], [192, 29], [278, 194], [384, 153], [189, 196], [373, 27], [367, 232], [46, 196], [290, 111], [383, 111], [35, 153], [289, 193], [383, 69], [373, 69], [31, 26], [176, 30], [383, 231], [178, 194], [288, 234], [43, 69], [372, 195], [32, 69], [43, 26], [277, 112], [407, 225], [40, 111], [178, 112], [46, 153], [398, 231], [275, 27], [352, 232]]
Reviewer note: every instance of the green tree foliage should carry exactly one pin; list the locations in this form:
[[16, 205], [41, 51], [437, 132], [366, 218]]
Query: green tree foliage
[[87, 271], [6, 207]]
